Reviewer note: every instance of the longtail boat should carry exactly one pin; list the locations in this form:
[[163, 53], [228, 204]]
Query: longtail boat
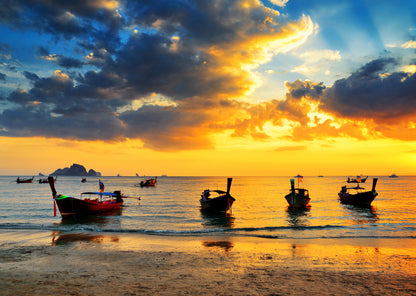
[[360, 198], [358, 179], [298, 197], [24, 180], [46, 180], [221, 203], [90, 203], [148, 182]]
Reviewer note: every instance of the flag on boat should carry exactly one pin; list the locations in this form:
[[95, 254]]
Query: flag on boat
[[101, 186], [300, 178]]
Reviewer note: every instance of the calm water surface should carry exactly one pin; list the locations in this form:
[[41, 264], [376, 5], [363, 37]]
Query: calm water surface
[[260, 209]]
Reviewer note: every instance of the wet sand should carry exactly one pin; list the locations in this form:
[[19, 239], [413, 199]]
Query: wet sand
[[121, 264]]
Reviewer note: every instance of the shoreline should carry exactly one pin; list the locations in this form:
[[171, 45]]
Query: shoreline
[[82, 263]]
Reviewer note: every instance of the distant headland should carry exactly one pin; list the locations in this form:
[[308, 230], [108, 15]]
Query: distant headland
[[76, 170]]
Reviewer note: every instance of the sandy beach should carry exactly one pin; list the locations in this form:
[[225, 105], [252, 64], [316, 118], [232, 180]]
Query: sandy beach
[[85, 264]]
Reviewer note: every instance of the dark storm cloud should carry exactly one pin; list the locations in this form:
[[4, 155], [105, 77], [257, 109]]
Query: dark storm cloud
[[369, 94], [372, 102], [148, 65], [144, 122], [2, 77], [202, 21], [196, 54], [68, 62], [300, 89], [61, 18], [31, 76]]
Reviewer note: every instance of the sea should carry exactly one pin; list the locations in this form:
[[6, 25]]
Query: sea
[[172, 208]]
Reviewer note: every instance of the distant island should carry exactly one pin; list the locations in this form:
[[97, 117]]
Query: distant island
[[76, 170]]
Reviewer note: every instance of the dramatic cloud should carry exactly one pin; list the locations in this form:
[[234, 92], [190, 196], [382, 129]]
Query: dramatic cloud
[[370, 93], [63, 19], [374, 102], [197, 54]]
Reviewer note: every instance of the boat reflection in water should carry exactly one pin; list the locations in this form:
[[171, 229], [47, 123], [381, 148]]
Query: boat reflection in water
[[298, 217], [217, 219], [362, 214], [102, 219], [221, 245], [59, 238]]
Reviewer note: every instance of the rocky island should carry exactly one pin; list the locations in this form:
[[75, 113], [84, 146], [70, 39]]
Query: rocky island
[[76, 170]]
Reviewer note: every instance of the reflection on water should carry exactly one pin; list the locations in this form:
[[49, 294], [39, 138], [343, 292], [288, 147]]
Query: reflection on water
[[298, 217], [300, 251], [101, 219], [64, 239], [217, 220], [223, 245], [362, 215]]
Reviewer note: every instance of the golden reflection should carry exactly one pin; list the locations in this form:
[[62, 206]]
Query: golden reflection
[[217, 220], [64, 239], [299, 251], [101, 219], [298, 217], [362, 215], [223, 245]]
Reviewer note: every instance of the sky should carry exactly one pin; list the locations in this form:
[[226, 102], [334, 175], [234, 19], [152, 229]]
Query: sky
[[212, 87]]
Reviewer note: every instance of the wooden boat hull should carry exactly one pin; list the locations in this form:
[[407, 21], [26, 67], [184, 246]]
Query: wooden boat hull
[[19, 181], [148, 183], [70, 206], [297, 201], [218, 204], [362, 180], [358, 199]]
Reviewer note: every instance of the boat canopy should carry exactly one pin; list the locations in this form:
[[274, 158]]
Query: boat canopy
[[100, 193]]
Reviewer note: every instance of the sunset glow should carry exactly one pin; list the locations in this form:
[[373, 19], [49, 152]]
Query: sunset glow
[[208, 87]]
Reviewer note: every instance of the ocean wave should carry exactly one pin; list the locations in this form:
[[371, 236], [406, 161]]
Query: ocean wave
[[270, 232]]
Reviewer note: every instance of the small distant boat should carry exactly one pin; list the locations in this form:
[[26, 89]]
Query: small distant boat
[[46, 180], [24, 180], [83, 180], [360, 197], [222, 202], [358, 179], [90, 203], [393, 176], [298, 197], [148, 182]]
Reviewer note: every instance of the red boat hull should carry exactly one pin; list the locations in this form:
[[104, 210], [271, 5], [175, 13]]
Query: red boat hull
[[70, 206]]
